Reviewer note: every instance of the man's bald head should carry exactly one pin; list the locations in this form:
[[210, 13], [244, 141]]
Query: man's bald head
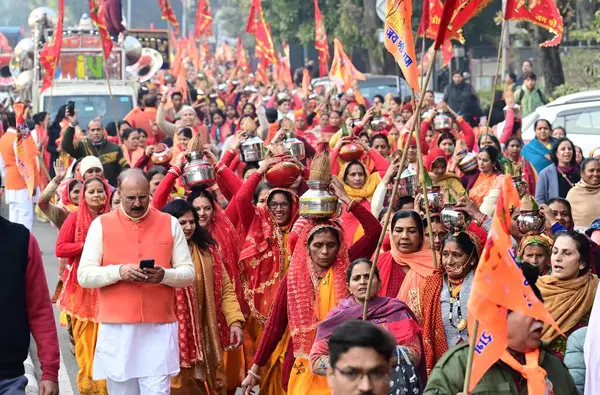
[[134, 190]]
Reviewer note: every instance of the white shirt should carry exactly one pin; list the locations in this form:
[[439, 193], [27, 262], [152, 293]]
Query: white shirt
[[126, 351]]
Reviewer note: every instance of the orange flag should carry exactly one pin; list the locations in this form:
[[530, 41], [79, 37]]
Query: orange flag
[[543, 13], [50, 54], [321, 44], [398, 39], [181, 84], [97, 16], [25, 149], [243, 61], [306, 82], [342, 72], [284, 72], [167, 13], [499, 286], [204, 19], [262, 32]]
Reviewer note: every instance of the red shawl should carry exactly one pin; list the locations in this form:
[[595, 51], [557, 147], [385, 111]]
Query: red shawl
[[434, 337], [303, 282], [80, 302], [391, 274], [188, 312], [263, 259], [228, 240]]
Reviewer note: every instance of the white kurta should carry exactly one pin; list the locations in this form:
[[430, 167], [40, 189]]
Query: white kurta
[[126, 351]]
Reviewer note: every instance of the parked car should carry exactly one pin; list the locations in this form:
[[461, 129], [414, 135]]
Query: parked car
[[373, 85], [578, 113]]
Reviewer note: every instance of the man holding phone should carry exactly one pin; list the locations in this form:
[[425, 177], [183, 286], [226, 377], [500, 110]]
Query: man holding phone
[[94, 144], [136, 255]]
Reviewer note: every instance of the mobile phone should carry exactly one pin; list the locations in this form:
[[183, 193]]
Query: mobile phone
[[147, 264], [71, 107]]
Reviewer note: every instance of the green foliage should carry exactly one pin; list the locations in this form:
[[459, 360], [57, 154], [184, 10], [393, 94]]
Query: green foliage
[[582, 67], [564, 89]]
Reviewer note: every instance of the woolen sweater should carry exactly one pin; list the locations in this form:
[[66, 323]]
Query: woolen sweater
[[27, 308]]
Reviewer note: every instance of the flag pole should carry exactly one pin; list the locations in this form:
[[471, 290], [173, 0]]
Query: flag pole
[[497, 71], [423, 88], [472, 341], [112, 99], [393, 197]]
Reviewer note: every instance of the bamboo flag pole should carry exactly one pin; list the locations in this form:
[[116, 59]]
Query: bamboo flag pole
[[112, 99], [423, 88], [497, 71], [394, 191], [472, 341]]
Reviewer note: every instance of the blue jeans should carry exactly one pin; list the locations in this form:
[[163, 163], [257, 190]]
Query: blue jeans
[[15, 386]]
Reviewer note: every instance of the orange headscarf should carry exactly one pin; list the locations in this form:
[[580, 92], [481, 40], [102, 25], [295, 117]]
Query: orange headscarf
[[420, 264]]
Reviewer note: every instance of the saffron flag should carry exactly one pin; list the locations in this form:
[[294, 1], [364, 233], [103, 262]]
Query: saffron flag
[[26, 153], [204, 19], [499, 286], [181, 84], [306, 82], [50, 54], [321, 44], [253, 17], [398, 39], [284, 69], [455, 14], [243, 60], [342, 72], [97, 16], [543, 13], [167, 13]]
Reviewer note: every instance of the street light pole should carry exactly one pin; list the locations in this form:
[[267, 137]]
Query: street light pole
[[129, 24], [184, 17]]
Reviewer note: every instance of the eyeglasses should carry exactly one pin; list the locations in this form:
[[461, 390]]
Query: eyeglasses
[[275, 205], [375, 375], [132, 199]]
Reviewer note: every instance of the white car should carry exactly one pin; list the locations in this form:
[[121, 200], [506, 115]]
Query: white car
[[578, 113]]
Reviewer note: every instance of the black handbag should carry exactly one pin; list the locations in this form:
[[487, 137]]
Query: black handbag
[[405, 378]]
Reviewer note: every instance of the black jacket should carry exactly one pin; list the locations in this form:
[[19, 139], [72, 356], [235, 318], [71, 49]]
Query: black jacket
[[110, 154]]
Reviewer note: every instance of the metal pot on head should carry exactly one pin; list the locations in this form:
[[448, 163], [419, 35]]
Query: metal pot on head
[[294, 146], [197, 171], [442, 122], [252, 150], [531, 222], [435, 198], [455, 221], [318, 202]]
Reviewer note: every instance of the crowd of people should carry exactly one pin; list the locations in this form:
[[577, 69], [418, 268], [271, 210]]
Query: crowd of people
[[169, 287]]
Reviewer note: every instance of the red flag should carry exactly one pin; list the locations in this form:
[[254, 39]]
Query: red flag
[[243, 61], [455, 15], [51, 52], [424, 24], [342, 72], [167, 13], [4, 44], [447, 55], [204, 19], [254, 16], [543, 13], [321, 44], [398, 39], [97, 16], [429, 27], [499, 286]]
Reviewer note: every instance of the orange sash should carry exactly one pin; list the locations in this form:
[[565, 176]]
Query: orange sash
[[537, 381]]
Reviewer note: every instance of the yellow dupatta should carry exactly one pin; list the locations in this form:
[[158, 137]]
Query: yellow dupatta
[[302, 379], [368, 188]]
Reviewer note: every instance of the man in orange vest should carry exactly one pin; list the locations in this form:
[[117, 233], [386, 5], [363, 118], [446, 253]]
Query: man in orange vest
[[136, 255], [20, 182]]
